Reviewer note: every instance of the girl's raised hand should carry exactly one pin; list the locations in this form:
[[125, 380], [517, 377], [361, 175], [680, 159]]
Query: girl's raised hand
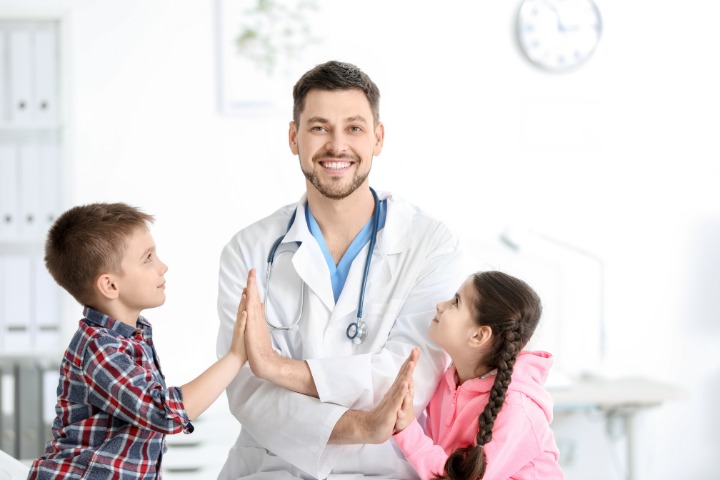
[[382, 421]]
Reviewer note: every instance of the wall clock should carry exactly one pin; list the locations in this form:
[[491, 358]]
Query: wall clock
[[558, 35]]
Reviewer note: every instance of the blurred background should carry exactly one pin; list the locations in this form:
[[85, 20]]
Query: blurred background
[[596, 183]]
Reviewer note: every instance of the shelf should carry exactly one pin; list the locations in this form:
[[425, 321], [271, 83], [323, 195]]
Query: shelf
[[29, 127]]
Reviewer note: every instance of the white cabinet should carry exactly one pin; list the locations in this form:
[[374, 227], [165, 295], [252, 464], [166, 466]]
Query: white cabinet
[[31, 141], [31, 186]]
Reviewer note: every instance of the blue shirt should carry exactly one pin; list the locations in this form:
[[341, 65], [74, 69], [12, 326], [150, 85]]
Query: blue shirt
[[339, 272]]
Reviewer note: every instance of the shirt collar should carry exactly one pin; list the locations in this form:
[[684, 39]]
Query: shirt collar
[[121, 328]]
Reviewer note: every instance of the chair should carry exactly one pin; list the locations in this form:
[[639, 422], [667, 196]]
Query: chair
[[11, 468]]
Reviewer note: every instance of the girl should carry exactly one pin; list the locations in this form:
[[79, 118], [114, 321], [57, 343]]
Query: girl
[[490, 415]]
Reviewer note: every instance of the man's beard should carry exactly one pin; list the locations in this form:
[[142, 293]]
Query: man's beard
[[332, 191]]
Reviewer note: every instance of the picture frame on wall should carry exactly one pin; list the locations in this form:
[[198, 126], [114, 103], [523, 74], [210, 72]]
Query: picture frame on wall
[[259, 44]]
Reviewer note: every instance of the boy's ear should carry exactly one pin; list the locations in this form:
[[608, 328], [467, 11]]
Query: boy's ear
[[107, 286], [481, 337]]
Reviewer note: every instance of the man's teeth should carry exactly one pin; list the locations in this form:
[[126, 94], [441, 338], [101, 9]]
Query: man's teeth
[[336, 165]]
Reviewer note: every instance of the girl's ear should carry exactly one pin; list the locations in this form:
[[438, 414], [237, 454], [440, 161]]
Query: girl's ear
[[107, 286], [481, 338]]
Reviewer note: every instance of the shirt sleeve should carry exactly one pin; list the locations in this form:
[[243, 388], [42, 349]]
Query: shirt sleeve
[[420, 451], [122, 388]]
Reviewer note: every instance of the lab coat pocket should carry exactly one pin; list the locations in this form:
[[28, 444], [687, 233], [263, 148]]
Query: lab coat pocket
[[380, 319]]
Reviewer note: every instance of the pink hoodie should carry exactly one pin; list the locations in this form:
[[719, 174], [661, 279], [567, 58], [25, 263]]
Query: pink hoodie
[[523, 445]]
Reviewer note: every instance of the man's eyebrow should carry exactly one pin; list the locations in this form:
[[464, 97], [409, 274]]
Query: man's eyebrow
[[317, 120], [351, 119], [356, 118]]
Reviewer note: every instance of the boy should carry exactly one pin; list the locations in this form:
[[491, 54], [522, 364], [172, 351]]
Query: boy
[[113, 408]]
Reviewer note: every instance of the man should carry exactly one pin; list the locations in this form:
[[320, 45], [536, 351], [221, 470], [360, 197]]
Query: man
[[295, 413]]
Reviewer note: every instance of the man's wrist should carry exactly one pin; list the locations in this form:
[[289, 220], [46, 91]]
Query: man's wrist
[[351, 428]]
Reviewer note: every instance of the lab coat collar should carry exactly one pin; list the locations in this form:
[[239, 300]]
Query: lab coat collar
[[393, 239], [312, 268]]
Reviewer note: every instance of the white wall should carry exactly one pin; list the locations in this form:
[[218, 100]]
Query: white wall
[[474, 134]]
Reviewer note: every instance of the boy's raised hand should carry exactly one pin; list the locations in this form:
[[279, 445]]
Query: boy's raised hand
[[237, 345], [260, 353]]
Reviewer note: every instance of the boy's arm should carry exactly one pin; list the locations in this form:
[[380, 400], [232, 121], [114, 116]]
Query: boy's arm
[[125, 387], [122, 388], [201, 392]]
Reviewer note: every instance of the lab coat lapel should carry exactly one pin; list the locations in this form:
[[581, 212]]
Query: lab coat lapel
[[308, 260]]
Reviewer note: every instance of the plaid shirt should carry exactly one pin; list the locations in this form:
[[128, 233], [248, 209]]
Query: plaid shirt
[[113, 408]]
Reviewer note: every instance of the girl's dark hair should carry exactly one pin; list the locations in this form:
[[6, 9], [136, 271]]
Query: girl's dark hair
[[334, 75], [512, 310]]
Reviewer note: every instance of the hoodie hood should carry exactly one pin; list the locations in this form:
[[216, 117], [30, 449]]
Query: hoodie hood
[[528, 377]]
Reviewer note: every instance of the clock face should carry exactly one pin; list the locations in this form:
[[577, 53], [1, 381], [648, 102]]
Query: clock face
[[558, 35]]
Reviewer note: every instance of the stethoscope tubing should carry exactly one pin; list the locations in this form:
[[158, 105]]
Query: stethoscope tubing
[[357, 330]]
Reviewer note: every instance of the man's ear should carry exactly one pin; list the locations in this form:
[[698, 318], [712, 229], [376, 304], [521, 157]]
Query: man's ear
[[481, 337], [292, 138], [379, 138], [107, 286]]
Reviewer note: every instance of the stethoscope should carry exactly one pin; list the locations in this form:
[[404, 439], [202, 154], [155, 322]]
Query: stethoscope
[[356, 331]]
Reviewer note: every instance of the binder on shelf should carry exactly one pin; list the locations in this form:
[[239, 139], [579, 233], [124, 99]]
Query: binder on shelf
[[20, 54], [16, 304], [47, 327], [31, 430], [50, 380], [9, 193], [44, 66], [8, 432], [49, 184], [3, 78], [31, 195]]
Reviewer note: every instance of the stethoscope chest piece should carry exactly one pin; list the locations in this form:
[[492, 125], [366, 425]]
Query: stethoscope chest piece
[[357, 331]]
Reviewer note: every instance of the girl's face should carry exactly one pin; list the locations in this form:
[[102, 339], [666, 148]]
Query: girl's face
[[454, 323]]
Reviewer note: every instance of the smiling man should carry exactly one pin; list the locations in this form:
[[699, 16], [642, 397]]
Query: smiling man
[[355, 278]]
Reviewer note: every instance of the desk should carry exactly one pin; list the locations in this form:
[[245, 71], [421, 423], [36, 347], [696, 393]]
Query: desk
[[621, 397]]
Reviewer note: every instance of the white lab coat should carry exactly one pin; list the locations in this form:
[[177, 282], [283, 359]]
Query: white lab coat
[[416, 264]]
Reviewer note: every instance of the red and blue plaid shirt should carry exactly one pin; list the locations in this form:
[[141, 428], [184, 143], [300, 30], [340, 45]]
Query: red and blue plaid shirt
[[113, 408]]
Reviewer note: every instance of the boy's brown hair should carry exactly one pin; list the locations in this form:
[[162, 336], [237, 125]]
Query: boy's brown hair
[[88, 240]]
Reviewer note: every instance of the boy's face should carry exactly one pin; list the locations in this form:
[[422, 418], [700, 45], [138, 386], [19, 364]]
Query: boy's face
[[142, 279]]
